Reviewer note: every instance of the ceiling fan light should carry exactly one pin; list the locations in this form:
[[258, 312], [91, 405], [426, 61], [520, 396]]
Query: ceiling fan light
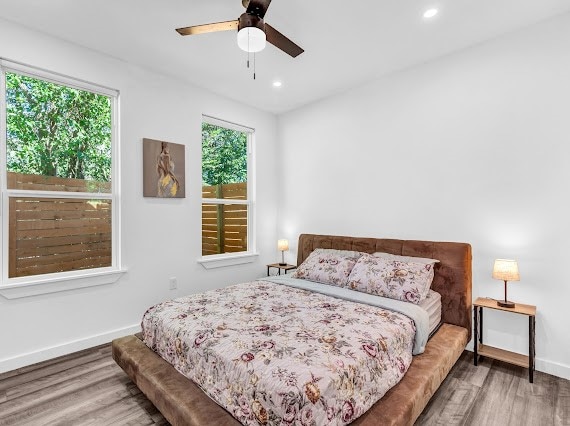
[[251, 39]]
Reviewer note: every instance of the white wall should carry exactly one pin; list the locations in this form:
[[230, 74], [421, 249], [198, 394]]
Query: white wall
[[161, 238], [472, 147]]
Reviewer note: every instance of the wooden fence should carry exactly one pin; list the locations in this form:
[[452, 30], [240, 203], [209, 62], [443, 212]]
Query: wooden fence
[[54, 183], [224, 226], [49, 235]]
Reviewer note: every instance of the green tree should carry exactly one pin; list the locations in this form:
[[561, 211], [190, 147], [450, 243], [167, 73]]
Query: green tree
[[54, 130], [224, 155]]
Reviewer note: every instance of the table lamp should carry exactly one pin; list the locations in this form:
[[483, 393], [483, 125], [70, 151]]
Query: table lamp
[[283, 245], [506, 270]]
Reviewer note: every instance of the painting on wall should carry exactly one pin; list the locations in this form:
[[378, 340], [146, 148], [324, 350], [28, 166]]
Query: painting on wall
[[163, 169]]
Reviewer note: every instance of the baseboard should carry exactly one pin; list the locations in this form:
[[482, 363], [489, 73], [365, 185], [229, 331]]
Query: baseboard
[[9, 364], [554, 368], [549, 367]]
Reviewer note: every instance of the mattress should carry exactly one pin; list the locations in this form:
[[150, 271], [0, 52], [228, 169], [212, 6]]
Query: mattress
[[432, 304], [274, 354]]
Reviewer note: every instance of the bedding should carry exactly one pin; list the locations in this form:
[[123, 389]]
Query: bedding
[[406, 281], [327, 266], [432, 305], [391, 256], [276, 354], [417, 313]]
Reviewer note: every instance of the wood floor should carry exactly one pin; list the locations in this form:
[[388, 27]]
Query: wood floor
[[496, 393], [88, 388]]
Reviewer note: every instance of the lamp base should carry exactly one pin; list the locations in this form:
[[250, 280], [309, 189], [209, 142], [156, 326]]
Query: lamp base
[[505, 304], [282, 264]]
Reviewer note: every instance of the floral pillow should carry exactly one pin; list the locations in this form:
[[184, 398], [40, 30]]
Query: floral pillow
[[328, 266], [395, 279], [391, 256]]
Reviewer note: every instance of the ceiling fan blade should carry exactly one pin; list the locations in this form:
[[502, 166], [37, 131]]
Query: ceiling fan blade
[[281, 42], [257, 7], [208, 28]]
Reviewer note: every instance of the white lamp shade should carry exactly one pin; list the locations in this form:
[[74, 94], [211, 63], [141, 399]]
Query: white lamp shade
[[283, 245], [251, 39], [506, 270]]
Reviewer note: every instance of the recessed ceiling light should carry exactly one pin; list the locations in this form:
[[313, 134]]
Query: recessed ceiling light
[[277, 83], [430, 13]]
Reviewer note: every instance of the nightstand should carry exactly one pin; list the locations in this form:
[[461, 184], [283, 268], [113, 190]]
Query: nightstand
[[501, 354], [280, 267]]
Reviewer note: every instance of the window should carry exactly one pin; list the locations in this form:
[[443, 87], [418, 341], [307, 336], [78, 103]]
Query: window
[[60, 201], [227, 189]]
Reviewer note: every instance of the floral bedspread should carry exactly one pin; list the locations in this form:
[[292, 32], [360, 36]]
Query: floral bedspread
[[272, 354]]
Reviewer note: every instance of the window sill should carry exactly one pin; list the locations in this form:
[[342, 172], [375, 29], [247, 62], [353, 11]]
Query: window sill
[[223, 260], [18, 288]]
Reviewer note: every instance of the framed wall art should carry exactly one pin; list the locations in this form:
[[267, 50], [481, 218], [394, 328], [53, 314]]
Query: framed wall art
[[163, 169]]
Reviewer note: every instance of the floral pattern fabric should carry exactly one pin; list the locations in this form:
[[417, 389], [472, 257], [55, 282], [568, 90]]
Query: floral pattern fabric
[[406, 281], [327, 266], [415, 259], [277, 355]]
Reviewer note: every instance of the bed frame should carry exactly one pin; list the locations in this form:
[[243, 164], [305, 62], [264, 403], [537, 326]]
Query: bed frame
[[184, 403]]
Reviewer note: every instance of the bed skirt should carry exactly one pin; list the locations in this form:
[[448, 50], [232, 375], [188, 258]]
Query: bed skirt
[[184, 403]]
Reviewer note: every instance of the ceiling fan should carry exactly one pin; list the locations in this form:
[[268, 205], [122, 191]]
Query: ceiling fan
[[253, 32]]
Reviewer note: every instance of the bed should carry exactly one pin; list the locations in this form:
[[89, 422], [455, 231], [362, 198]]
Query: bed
[[182, 402]]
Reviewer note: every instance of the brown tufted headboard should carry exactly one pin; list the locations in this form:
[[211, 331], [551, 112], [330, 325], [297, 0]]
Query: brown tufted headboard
[[452, 274]]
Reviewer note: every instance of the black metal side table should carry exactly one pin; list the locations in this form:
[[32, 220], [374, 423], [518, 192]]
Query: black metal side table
[[502, 355], [280, 267]]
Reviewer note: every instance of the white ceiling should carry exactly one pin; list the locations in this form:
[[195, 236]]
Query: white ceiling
[[346, 42]]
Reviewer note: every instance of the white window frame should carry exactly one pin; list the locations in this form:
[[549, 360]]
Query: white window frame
[[230, 259], [54, 282]]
